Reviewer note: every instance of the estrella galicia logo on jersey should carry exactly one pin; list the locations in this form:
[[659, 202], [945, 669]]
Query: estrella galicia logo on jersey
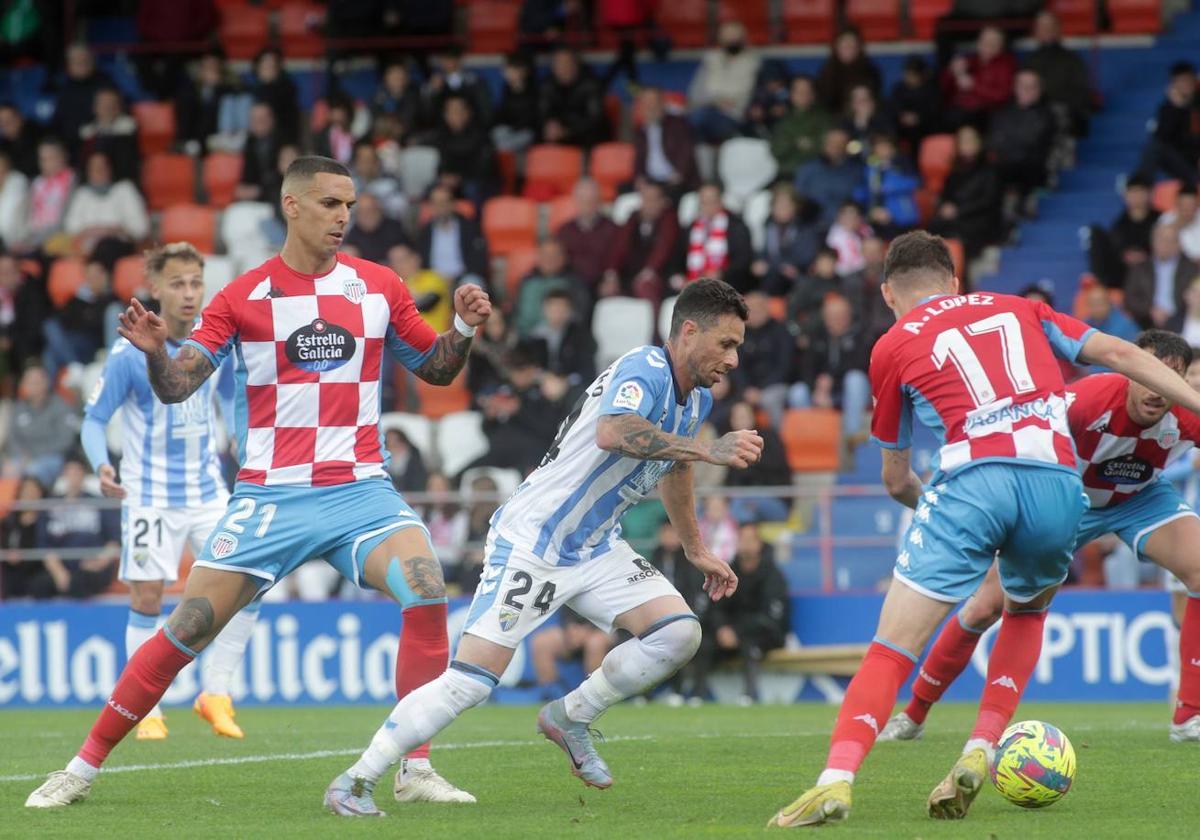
[[645, 570], [1127, 469], [320, 346], [223, 545]]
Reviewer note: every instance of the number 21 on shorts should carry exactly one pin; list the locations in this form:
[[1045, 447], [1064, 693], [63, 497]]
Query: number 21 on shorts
[[244, 510]]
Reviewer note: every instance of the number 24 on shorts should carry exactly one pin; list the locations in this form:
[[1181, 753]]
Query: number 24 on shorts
[[245, 510]]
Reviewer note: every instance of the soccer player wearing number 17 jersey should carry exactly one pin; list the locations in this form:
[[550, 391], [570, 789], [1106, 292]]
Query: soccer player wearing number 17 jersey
[[978, 369]]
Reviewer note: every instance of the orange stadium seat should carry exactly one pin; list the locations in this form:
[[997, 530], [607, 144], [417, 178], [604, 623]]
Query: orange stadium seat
[[156, 126], [753, 14], [66, 276], [1134, 17], [926, 201], [168, 179], [516, 266], [509, 224], [193, 223], [878, 20], [9, 486], [808, 21], [1164, 194], [222, 171], [301, 27], [779, 308], [685, 20], [923, 14], [506, 166], [562, 210], [935, 159], [958, 255], [462, 205], [1078, 17], [812, 438], [612, 165], [437, 401], [244, 31], [129, 275], [492, 26], [551, 170]]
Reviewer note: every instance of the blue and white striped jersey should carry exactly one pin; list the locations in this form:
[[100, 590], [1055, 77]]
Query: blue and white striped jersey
[[568, 510], [168, 452]]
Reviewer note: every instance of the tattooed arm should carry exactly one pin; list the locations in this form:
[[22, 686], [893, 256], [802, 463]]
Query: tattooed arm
[[636, 437], [174, 380], [447, 359]]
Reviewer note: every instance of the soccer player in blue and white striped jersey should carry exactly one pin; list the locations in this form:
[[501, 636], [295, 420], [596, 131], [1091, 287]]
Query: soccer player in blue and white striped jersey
[[171, 483]]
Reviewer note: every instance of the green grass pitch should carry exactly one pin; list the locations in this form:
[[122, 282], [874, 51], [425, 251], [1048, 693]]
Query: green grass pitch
[[707, 772]]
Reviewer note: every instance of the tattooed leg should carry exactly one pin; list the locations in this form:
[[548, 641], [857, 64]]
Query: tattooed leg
[[211, 598], [405, 566]]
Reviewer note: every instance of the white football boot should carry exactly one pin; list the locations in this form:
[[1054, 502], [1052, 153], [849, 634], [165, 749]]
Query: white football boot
[[1189, 730], [60, 789], [419, 782]]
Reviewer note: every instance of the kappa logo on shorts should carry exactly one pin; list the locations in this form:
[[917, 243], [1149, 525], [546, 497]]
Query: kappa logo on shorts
[[645, 570], [223, 545], [320, 346], [508, 618]]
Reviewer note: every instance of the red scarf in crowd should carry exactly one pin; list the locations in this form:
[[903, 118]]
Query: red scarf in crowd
[[708, 247]]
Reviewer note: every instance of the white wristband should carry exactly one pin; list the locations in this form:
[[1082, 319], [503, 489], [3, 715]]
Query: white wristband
[[463, 327]]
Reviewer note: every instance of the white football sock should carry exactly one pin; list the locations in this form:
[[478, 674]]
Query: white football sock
[[139, 629], [829, 776], [225, 655], [979, 743], [635, 667], [78, 767], [422, 714]]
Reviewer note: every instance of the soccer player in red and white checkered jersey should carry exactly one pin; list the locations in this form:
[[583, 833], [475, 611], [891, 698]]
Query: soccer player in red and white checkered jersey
[[307, 330], [980, 370], [1125, 434]]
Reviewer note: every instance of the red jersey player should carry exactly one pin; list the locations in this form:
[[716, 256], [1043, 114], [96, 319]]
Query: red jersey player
[[980, 370], [1125, 435]]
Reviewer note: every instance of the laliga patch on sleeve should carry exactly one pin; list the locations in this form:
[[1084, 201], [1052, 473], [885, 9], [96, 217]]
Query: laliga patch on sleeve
[[97, 389], [629, 395]]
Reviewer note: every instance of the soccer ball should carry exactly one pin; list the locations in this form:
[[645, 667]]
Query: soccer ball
[[1035, 764]]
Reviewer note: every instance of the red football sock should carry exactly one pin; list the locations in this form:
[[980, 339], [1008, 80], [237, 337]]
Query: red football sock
[[946, 660], [146, 678], [1188, 704], [1018, 645], [869, 701], [424, 653]]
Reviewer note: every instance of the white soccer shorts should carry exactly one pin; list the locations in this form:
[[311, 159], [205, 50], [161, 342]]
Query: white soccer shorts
[[153, 539]]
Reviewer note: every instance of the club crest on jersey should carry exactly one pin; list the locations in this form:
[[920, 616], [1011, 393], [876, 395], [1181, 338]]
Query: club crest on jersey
[[1167, 438], [320, 346], [354, 289], [223, 545], [508, 618]]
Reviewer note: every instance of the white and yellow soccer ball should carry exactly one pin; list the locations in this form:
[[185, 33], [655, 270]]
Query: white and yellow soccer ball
[[1035, 764]]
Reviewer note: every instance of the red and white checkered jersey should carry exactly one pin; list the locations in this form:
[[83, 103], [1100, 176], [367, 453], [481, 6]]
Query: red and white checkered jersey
[[1117, 457], [979, 370], [308, 353]]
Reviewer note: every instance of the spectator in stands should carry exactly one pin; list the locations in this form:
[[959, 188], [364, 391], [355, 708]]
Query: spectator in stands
[[1154, 289], [832, 371], [468, 161], [75, 97], [212, 111], [14, 203], [847, 67], [19, 139], [718, 528], [1063, 72], [831, 179], [450, 77], [48, 198], [663, 145], [761, 375], [260, 156], [336, 139], [977, 85], [751, 622], [447, 523], [450, 243], [721, 89], [78, 523], [22, 310], [550, 272], [23, 578], [42, 429], [888, 189], [372, 232], [1114, 251], [863, 119], [718, 243], [107, 219], [1186, 321], [406, 467], [573, 638], [482, 503], [113, 132], [644, 248], [796, 137], [1184, 215], [275, 87], [969, 207], [522, 416], [388, 138], [572, 107], [399, 96], [370, 177], [564, 340], [790, 243], [1020, 140], [770, 470], [76, 331], [1174, 147], [1099, 312], [846, 236], [589, 237], [809, 291], [429, 289], [862, 290], [770, 101], [274, 228], [485, 365], [517, 121], [916, 101]]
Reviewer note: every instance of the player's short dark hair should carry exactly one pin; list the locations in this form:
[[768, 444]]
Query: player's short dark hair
[[1166, 345], [307, 167], [704, 302], [916, 255]]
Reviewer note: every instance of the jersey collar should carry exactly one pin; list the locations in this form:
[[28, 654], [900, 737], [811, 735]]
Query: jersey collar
[[928, 298], [680, 397]]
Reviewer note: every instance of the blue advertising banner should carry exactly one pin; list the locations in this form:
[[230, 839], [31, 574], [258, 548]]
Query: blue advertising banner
[[1099, 646]]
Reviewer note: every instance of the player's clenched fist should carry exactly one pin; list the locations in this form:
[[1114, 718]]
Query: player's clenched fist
[[141, 328], [737, 449], [472, 304]]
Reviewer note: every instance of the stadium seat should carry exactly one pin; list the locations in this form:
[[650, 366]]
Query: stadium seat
[[1078, 17], [1135, 17], [221, 173], [560, 211], [462, 205], [755, 213], [300, 29], [611, 166], [439, 400], [666, 310], [516, 265], [506, 480], [753, 14], [745, 165], [506, 166], [685, 20], [9, 486], [418, 169], [808, 21], [926, 201], [778, 305], [812, 438], [1164, 195], [156, 126], [168, 179], [66, 276], [460, 440], [193, 223], [417, 428], [219, 273], [935, 159], [959, 255], [551, 170], [492, 26], [244, 31], [129, 275], [923, 15], [241, 227], [619, 324], [509, 223], [877, 20], [624, 206], [688, 209]]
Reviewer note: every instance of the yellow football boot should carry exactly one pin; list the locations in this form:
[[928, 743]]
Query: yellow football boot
[[817, 806], [217, 709], [952, 798], [152, 728]]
